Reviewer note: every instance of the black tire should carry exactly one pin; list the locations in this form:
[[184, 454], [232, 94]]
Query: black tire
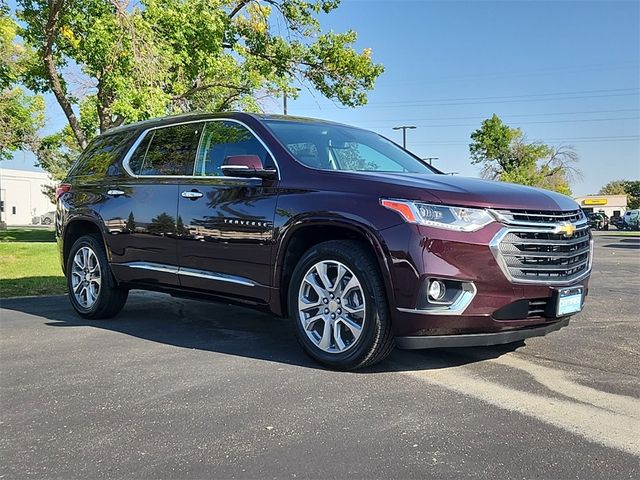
[[376, 341], [46, 221], [110, 298]]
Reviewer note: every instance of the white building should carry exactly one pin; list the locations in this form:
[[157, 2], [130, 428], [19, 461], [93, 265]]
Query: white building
[[21, 197], [611, 205]]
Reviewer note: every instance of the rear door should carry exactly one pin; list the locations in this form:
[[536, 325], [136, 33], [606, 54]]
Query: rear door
[[142, 209], [225, 224]]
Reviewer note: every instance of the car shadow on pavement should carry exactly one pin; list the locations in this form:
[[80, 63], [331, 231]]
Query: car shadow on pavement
[[630, 244], [227, 330]]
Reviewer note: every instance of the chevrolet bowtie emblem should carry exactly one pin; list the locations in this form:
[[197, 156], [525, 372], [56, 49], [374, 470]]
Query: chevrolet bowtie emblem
[[567, 229]]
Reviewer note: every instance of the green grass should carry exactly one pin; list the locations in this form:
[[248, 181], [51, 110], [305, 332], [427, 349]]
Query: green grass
[[29, 263], [27, 235]]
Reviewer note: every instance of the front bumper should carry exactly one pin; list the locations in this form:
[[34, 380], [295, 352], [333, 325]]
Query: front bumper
[[478, 339], [498, 306]]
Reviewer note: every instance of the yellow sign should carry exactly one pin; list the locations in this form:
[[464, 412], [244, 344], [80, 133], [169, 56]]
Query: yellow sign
[[595, 201]]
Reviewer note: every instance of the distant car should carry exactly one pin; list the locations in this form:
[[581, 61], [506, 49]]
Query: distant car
[[598, 221], [631, 220], [48, 218], [617, 222]]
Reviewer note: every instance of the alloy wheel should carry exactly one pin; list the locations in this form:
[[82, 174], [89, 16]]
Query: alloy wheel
[[86, 277], [331, 306]]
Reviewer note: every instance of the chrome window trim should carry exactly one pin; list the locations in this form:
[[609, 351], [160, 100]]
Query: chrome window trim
[[494, 246], [458, 307], [191, 272], [129, 154]]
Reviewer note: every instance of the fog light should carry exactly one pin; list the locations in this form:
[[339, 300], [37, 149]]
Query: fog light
[[437, 290]]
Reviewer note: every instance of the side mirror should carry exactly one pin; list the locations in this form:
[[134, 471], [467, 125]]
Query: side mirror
[[246, 166]]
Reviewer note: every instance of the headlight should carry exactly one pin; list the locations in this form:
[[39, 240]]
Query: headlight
[[460, 219]]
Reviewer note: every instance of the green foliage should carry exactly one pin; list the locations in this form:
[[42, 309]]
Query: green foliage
[[127, 62], [631, 188], [616, 187], [55, 154], [21, 114], [506, 155]]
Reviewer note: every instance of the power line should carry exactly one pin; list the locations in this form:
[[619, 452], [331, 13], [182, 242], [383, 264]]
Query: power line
[[483, 116], [528, 95], [537, 122], [500, 74], [616, 138], [493, 100], [490, 102]]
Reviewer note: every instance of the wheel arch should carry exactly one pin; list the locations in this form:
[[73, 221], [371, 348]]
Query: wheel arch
[[76, 228], [297, 239]]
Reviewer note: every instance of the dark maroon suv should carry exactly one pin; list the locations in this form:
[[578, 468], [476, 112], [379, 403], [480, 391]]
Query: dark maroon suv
[[358, 241]]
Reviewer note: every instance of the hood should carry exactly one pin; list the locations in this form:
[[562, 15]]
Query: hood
[[466, 191]]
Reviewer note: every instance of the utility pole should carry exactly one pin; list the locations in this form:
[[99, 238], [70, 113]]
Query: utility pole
[[430, 159], [284, 101], [404, 129]]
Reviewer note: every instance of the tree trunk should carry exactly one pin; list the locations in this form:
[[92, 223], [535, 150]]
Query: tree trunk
[[63, 101], [54, 79]]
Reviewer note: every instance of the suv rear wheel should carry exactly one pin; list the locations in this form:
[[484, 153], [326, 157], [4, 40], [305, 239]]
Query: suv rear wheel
[[92, 288], [338, 304]]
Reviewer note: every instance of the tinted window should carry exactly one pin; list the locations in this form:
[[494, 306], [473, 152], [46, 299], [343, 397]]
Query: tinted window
[[169, 151], [135, 162], [222, 139], [338, 147], [102, 155]]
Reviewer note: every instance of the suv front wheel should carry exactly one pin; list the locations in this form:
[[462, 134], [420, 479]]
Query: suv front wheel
[[338, 304], [92, 289]]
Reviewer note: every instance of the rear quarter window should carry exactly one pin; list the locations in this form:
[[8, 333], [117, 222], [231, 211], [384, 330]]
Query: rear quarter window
[[167, 151], [101, 158]]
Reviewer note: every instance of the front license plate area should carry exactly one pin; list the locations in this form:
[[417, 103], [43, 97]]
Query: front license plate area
[[569, 300]]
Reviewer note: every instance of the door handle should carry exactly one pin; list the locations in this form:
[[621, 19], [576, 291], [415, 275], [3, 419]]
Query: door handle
[[115, 193], [193, 194]]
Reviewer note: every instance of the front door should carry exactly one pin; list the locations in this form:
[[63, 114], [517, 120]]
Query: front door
[[141, 213], [225, 224]]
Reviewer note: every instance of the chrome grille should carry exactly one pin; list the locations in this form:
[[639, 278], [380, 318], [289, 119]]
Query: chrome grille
[[534, 249], [535, 217]]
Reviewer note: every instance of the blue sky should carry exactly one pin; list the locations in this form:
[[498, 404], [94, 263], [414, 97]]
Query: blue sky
[[564, 71]]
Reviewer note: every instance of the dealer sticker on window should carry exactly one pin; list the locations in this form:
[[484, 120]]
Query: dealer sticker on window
[[569, 300]]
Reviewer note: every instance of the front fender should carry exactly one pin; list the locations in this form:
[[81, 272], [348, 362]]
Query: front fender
[[352, 223]]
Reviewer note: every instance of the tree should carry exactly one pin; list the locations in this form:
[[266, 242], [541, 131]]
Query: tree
[[21, 113], [168, 56], [131, 223], [505, 154], [163, 224], [616, 187], [630, 188]]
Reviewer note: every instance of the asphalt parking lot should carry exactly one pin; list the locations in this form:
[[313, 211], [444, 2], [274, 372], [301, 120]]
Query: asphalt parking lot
[[183, 389]]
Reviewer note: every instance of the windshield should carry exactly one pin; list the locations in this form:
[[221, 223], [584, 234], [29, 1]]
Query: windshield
[[336, 147]]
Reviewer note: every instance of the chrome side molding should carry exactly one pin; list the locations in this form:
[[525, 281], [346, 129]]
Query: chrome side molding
[[190, 272]]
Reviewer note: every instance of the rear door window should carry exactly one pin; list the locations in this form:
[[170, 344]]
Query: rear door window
[[167, 151], [222, 139]]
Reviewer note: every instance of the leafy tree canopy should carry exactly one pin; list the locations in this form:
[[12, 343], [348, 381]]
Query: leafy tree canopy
[[125, 62], [631, 188], [21, 114], [505, 154]]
